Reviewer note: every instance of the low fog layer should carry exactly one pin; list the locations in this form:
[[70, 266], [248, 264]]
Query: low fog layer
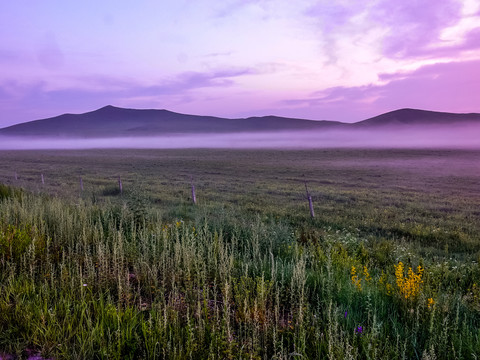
[[427, 137]]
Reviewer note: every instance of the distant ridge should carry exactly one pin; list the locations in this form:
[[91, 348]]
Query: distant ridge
[[411, 117], [111, 121]]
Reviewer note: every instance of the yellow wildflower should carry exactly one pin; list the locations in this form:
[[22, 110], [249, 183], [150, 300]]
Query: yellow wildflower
[[366, 274], [408, 286], [430, 302], [355, 279]]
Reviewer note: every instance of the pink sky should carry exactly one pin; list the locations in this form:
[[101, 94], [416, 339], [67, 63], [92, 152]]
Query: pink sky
[[338, 60]]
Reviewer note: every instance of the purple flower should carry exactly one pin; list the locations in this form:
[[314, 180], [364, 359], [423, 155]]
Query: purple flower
[[345, 314], [359, 329]]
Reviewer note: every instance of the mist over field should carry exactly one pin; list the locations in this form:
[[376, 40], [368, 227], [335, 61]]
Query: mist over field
[[466, 136], [240, 179]]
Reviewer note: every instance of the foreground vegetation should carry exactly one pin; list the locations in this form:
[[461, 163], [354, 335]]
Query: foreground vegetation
[[104, 275]]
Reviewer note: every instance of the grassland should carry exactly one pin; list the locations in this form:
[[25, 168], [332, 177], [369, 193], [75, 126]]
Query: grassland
[[388, 268]]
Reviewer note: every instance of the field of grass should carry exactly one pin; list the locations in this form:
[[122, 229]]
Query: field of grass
[[388, 268]]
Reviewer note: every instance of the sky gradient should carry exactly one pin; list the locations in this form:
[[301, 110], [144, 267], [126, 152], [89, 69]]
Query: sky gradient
[[336, 60]]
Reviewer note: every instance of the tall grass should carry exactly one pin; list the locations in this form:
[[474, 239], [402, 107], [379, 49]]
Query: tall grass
[[120, 280]]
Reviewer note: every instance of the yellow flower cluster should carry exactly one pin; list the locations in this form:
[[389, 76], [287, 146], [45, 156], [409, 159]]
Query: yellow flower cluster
[[383, 283], [430, 302], [409, 286], [366, 274], [356, 280]]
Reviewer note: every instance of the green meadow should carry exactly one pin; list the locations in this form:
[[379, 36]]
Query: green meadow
[[387, 269]]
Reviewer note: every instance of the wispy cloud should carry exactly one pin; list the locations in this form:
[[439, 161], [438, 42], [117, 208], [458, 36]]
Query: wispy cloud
[[193, 80], [408, 28], [414, 26], [441, 87], [91, 91]]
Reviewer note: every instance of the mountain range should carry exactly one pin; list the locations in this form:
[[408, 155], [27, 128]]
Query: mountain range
[[110, 121]]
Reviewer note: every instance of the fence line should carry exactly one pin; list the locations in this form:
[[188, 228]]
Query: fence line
[[24, 182]]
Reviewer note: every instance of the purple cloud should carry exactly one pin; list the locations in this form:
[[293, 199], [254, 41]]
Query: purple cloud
[[194, 80], [97, 91], [443, 87], [411, 26], [331, 19], [470, 42], [414, 25]]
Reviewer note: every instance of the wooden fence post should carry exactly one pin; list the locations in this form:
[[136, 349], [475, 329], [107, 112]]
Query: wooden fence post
[[81, 184], [310, 202], [120, 187], [43, 180], [194, 197], [16, 176]]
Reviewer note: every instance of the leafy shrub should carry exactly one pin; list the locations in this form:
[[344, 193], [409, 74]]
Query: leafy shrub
[[14, 241], [7, 192], [137, 202]]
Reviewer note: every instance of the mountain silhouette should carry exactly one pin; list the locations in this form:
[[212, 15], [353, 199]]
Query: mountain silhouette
[[110, 121], [415, 117]]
